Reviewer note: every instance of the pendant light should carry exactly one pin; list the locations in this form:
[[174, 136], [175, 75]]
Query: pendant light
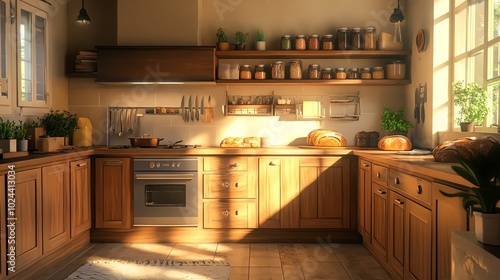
[[397, 15], [83, 18]]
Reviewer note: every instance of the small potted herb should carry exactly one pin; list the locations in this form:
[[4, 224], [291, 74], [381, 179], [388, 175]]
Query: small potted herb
[[260, 45], [471, 100], [240, 40], [222, 43], [394, 123], [20, 133], [7, 136]]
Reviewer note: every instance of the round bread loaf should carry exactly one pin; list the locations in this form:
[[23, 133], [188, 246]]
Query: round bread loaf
[[239, 142], [326, 138], [394, 143], [465, 147]]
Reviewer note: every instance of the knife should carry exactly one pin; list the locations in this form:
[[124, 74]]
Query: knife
[[182, 108], [190, 108], [202, 105], [416, 111], [197, 109]]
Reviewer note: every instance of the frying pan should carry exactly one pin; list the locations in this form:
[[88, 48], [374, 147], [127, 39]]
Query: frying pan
[[144, 142]]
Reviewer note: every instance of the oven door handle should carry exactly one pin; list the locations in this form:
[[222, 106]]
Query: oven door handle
[[149, 176]]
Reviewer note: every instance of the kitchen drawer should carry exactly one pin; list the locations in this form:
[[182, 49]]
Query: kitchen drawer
[[364, 164], [230, 214], [225, 163], [379, 174], [411, 186], [233, 185]]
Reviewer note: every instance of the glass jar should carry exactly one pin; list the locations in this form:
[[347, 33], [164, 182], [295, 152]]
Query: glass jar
[[278, 69], [326, 73], [395, 70], [353, 73], [366, 74], [340, 74], [245, 72], [313, 42], [286, 42], [314, 71], [327, 42], [356, 38], [378, 73], [300, 42], [369, 38], [260, 72], [343, 38], [295, 69]]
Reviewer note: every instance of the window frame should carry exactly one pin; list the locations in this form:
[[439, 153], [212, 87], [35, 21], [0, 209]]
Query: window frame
[[5, 90]]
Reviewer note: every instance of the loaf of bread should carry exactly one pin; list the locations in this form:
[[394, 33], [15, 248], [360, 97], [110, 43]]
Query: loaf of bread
[[247, 142], [394, 143], [326, 138], [465, 147]]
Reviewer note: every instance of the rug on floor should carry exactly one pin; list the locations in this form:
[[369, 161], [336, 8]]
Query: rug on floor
[[152, 269]]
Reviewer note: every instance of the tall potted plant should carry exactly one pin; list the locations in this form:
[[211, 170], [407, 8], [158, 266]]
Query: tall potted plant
[[472, 100], [20, 133], [222, 43], [394, 122], [59, 125], [240, 40], [482, 171]]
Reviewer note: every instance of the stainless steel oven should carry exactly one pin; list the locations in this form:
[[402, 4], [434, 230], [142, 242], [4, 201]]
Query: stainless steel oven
[[165, 191]]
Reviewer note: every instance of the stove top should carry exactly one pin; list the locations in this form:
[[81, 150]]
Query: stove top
[[174, 146]]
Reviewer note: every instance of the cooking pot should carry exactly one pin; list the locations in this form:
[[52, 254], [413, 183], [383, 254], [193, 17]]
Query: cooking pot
[[144, 142]]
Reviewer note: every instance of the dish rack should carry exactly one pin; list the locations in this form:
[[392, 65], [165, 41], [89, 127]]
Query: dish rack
[[345, 107]]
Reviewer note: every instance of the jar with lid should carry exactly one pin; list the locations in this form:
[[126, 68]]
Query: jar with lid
[[343, 38], [378, 73], [366, 74], [395, 70], [327, 42], [326, 73], [278, 70], [369, 38], [245, 72], [295, 69], [260, 72], [300, 42], [314, 71], [286, 42], [362, 139], [353, 73], [313, 42], [340, 73], [356, 38]]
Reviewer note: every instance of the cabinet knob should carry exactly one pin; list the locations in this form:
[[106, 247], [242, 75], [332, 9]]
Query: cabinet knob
[[81, 164], [225, 184], [380, 191], [225, 213], [378, 174], [273, 163], [234, 165], [398, 201], [419, 189], [366, 165], [396, 181], [236, 212]]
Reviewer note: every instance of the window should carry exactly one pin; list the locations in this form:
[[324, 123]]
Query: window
[[4, 58], [32, 56], [477, 49]]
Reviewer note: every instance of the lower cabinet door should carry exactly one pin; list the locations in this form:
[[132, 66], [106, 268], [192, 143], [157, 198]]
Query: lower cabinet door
[[80, 196], [396, 252], [380, 216], [230, 214], [418, 239]]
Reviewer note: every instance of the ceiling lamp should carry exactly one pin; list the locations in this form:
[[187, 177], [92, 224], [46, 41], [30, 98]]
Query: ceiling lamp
[[83, 17], [397, 15]]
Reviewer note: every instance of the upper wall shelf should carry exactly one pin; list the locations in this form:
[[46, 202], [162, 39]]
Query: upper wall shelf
[[276, 54]]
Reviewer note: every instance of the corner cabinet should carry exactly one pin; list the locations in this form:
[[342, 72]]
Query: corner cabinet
[[268, 56]]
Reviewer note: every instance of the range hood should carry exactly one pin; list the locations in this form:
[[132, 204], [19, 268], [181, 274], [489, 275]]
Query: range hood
[[155, 64]]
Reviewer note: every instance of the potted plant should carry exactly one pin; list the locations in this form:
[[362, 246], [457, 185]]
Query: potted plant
[[471, 100], [393, 121], [260, 45], [20, 133], [222, 43], [482, 171], [240, 40], [60, 125], [7, 136]]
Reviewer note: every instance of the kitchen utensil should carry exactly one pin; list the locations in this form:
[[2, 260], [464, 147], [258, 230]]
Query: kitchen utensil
[[190, 108], [182, 108], [112, 121], [144, 142], [416, 110], [133, 116], [197, 109], [128, 113], [202, 109]]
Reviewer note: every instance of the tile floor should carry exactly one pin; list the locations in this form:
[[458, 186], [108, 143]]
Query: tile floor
[[248, 260]]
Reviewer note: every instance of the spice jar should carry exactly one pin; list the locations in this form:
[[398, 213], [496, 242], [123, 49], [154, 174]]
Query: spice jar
[[378, 73], [366, 74], [313, 42], [327, 42], [260, 72], [277, 69], [326, 73], [300, 42], [343, 38], [356, 38], [314, 71], [340, 74], [353, 73], [245, 72], [295, 69], [362, 139], [369, 38], [286, 42], [395, 70]]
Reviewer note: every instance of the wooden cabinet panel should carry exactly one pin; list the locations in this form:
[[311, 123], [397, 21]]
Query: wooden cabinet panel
[[228, 186], [290, 188], [270, 176], [380, 220], [365, 199], [80, 196], [230, 215], [55, 206], [226, 163], [396, 248], [418, 228], [380, 174], [113, 194], [3, 229], [412, 186], [29, 217]]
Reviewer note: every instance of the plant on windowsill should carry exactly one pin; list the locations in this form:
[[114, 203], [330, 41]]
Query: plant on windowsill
[[7, 136], [240, 39], [471, 100], [222, 43], [482, 171], [393, 122], [260, 45]]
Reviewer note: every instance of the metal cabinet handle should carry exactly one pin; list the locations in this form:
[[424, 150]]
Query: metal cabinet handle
[[380, 191], [366, 165], [396, 181], [234, 165], [378, 174], [225, 213], [273, 163], [236, 212], [225, 184], [81, 164], [114, 162], [419, 189], [398, 201]]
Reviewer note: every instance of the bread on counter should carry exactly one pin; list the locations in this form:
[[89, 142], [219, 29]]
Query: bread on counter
[[326, 138], [465, 147], [239, 142], [395, 143]]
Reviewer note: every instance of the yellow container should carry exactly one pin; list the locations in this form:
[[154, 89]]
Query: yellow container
[[82, 137]]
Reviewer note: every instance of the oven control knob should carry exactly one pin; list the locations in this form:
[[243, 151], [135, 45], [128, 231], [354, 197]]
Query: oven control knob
[[151, 165], [158, 165], [179, 165]]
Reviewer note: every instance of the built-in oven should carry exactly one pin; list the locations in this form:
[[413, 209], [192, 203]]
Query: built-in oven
[[165, 191]]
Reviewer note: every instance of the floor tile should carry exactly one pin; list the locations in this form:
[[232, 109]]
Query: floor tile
[[324, 270], [315, 252], [237, 254], [193, 252], [138, 251], [264, 255], [238, 273], [266, 273], [293, 272]]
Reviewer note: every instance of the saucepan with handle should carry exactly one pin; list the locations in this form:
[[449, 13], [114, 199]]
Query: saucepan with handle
[[145, 141]]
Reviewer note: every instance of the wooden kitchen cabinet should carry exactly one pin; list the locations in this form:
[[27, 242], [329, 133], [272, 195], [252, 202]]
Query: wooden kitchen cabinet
[[325, 195], [418, 241], [232, 214], [3, 225], [380, 220], [365, 200], [396, 246], [113, 193], [80, 196]]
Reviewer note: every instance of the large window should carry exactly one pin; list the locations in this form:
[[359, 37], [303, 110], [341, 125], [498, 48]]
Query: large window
[[4, 63], [477, 49]]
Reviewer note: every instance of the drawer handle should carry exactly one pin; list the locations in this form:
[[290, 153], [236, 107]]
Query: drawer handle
[[236, 212], [81, 164], [366, 165], [396, 181], [419, 189], [225, 213], [399, 201], [380, 191], [225, 184], [273, 163], [234, 165], [378, 174], [114, 162]]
